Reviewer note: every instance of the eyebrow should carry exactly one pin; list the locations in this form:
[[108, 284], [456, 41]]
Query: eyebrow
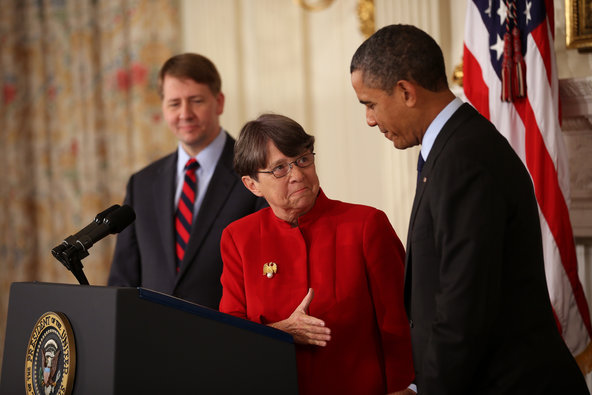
[[287, 160], [278, 162]]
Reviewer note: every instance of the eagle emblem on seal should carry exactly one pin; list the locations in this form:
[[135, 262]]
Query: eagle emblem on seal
[[49, 355]]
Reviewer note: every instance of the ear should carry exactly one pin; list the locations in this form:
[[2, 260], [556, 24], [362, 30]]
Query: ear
[[251, 185], [220, 102], [408, 92]]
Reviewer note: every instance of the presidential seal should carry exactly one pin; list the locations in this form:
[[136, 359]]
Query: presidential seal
[[51, 356]]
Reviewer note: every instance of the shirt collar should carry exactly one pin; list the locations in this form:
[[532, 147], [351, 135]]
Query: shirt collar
[[207, 158], [437, 124]]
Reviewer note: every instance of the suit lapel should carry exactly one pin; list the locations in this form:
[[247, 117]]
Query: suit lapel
[[163, 190], [442, 139], [448, 130], [221, 184]]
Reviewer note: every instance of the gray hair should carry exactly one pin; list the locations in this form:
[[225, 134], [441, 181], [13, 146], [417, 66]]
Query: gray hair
[[250, 150]]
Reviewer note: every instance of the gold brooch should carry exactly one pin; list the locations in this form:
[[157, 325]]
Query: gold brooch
[[269, 269]]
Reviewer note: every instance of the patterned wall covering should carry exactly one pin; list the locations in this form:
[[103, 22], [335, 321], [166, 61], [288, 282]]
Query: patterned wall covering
[[79, 113]]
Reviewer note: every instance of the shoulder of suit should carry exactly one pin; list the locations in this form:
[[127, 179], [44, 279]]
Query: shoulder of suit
[[227, 157], [158, 164], [230, 138]]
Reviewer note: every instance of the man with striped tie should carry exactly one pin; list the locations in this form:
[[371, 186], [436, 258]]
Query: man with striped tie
[[184, 200]]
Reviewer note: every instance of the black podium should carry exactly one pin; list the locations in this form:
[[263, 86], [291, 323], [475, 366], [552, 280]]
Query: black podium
[[137, 341]]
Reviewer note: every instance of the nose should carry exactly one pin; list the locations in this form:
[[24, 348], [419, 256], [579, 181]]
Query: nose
[[370, 120], [295, 173], [185, 110]]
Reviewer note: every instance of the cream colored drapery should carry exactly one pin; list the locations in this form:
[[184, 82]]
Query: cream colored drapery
[[78, 113]]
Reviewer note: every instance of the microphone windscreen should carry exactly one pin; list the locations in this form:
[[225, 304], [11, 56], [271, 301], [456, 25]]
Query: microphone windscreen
[[101, 216], [120, 218]]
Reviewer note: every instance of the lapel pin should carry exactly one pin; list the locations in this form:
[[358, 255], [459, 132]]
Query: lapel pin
[[425, 179], [269, 269]]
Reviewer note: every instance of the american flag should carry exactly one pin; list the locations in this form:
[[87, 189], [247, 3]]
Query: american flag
[[524, 29]]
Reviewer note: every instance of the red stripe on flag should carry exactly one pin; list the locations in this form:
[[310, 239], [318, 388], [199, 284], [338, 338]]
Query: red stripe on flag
[[550, 10], [473, 84], [540, 37]]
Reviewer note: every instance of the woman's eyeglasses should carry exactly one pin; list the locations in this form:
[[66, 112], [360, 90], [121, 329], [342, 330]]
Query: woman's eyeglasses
[[283, 169]]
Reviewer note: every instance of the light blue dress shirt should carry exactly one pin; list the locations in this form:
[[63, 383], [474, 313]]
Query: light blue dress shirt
[[434, 129]]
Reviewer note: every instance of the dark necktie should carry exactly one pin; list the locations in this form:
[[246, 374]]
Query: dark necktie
[[420, 163], [184, 215]]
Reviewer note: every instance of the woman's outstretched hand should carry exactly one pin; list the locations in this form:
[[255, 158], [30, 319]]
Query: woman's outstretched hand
[[305, 329]]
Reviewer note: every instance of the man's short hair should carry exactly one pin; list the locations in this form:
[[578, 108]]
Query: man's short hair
[[191, 66], [400, 52]]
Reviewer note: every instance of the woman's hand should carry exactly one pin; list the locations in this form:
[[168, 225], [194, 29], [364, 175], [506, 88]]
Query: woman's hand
[[304, 328]]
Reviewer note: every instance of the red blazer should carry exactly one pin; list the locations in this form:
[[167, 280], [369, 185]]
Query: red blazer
[[352, 258]]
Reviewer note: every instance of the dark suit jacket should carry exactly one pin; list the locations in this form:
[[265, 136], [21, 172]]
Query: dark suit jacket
[[475, 288], [144, 253]]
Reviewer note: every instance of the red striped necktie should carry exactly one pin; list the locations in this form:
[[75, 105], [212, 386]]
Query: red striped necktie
[[184, 214]]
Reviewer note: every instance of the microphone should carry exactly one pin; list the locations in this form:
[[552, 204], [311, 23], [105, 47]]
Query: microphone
[[71, 240], [75, 247], [114, 221]]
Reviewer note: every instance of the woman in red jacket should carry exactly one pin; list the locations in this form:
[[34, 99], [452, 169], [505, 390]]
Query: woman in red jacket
[[328, 272]]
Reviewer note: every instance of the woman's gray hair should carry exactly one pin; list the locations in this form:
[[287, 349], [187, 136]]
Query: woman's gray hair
[[250, 150]]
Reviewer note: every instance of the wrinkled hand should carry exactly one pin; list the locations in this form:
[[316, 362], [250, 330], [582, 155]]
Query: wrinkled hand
[[304, 328]]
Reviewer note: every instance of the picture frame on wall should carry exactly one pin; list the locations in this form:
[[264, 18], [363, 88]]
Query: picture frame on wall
[[578, 24]]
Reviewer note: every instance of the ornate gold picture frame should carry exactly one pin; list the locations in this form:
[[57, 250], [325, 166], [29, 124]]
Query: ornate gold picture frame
[[578, 24]]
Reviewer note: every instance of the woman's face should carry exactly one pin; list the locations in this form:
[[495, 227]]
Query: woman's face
[[290, 196]]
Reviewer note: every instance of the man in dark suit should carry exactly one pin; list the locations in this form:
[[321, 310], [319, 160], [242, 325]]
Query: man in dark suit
[[152, 252], [475, 289]]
